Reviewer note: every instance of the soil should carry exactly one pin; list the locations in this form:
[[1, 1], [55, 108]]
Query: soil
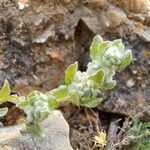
[[39, 41]]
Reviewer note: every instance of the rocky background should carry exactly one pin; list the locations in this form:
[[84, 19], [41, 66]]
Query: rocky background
[[40, 38]]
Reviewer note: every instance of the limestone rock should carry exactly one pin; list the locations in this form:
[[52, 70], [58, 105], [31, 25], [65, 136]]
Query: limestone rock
[[147, 19], [57, 136], [115, 17], [135, 6], [144, 35]]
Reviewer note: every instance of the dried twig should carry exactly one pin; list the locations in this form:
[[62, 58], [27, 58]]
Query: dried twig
[[112, 132]]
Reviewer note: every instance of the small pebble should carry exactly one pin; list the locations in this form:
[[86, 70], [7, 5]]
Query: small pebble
[[130, 83], [22, 4], [134, 71], [143, 85], [139, 78]]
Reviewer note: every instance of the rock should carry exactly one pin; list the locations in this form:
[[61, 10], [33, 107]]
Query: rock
[[48, 33], [97, 3], [144, 35], [135, 6], [22, 4], [134, 71], [65, 2], [115, 18], [57, 136], [130, 83], [147, 19]]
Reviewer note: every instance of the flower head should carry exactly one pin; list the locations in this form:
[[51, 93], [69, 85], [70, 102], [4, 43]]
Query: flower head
[[100, 139]]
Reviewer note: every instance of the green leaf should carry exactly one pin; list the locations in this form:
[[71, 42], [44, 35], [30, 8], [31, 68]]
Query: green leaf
[[102, 48], [118, 43], [3, 111], [110, 85], [13, 97], [70, 72], [52, 103], [91, 103], [59, 93], [5, 92], [145, 126], [33, 94], [31, 98], [74, 98], [23, 103], [126, 59], [98, 77], [61, 82], [36, 130], [94, 49], [40, 116]]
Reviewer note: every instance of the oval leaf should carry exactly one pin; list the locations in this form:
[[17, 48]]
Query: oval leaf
[[52, 103], [102, 48], [74, 98], [98, 77], [3, 111], [110, 85], [126, 59], [92, 102], [95, 46], [5, 91], [118, 43], [59, 93], [70, 72]]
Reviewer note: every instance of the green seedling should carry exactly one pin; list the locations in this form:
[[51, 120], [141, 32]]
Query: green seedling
[[5, 95]]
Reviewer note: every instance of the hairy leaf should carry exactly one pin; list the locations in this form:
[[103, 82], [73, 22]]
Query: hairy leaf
[[98, 77], [5, 91], [102, 48], [70, 72], [94, 49], [3, 111], [126, 59], [91, 103], [118, 43], [23, 102], [74, 98], [5, 94], [110, 85], [36, 130], [59, 93], [52, 103]]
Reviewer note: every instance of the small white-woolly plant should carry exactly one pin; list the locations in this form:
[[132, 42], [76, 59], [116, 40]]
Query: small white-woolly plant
[[81, 88]]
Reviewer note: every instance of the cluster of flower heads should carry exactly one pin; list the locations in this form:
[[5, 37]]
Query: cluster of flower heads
[[107, 57]]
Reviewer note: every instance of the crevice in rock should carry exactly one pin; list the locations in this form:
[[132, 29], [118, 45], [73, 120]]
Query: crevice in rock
[[83, 38]]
